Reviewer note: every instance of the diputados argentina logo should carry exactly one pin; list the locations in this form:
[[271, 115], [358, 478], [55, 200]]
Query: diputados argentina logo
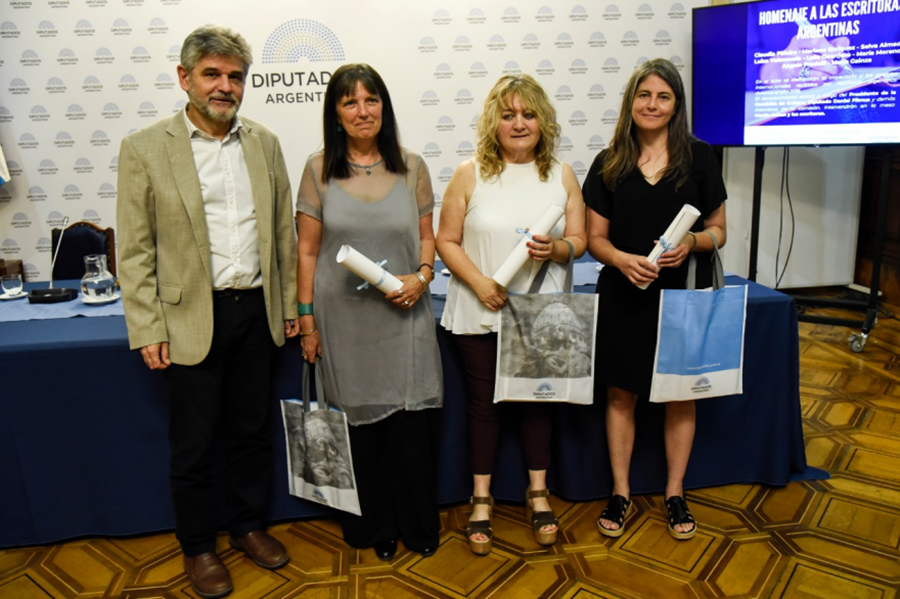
[[47, 29], [544, 391], [702, 385], [282, 87], [677, 11], [296, 41]]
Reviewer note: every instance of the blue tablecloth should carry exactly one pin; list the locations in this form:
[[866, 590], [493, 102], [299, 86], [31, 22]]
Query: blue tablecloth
[[83, 447], [22, 309]]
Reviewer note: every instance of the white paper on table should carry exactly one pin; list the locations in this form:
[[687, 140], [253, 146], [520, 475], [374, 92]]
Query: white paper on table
[[519, 255], [367, 270], [681, 224]]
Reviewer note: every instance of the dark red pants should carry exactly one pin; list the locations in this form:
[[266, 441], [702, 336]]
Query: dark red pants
[[479, 358]]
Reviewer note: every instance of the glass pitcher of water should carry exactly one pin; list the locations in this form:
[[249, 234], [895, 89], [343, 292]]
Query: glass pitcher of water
[[97, 283]]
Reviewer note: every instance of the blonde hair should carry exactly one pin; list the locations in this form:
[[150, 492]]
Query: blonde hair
[[535, 99]]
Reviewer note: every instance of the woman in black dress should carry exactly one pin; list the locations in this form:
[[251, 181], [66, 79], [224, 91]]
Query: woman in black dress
[[634, 189]]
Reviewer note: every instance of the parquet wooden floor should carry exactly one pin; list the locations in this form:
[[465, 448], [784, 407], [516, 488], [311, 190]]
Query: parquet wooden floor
[[834, 539]]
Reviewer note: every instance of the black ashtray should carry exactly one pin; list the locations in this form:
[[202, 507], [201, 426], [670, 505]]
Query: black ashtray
[[51, 296]]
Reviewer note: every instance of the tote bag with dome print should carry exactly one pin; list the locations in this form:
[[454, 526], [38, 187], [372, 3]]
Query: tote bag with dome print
[[546, 345]]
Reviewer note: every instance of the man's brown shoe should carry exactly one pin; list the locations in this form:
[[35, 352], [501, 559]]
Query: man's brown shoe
[[264, 549], [208, 575]]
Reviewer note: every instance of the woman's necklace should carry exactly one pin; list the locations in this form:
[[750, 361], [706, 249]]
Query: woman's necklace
[[652, 177], [654, 165], [367, 168]]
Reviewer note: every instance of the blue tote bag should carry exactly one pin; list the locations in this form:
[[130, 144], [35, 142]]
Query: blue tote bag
[[700, 340]]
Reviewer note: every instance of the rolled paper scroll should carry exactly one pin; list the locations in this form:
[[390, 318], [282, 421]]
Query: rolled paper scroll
[[681, 224], [367, 270], [519, 256]]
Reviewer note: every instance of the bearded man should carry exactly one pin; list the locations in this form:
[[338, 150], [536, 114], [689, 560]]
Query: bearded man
[[207, 266]]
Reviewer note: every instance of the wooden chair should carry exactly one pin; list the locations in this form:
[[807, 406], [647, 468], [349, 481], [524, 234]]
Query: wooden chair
[[11, 267], [80, 239]]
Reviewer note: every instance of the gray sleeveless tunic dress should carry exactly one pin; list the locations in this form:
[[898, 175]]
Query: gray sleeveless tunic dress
[[378, 359]]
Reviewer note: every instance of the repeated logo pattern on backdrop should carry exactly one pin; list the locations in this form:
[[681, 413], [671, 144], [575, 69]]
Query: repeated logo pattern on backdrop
[[76, 76]]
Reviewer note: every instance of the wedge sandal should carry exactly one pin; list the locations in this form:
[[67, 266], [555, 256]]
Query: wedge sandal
[[541, 519], [482, 527]]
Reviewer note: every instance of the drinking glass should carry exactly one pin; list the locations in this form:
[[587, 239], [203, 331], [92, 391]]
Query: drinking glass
[[12, 284]]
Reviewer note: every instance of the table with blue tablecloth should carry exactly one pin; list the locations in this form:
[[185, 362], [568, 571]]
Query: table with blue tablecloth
[[83, 447]]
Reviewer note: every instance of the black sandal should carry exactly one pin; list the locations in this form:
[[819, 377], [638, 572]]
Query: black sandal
[[680, 514], [616, 511]]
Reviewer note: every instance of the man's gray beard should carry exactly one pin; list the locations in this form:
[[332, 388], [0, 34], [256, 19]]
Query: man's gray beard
[[206, 110]]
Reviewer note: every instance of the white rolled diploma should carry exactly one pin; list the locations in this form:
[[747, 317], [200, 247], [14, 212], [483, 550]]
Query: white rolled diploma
[[519, 256], [367, 270], [681, 224]]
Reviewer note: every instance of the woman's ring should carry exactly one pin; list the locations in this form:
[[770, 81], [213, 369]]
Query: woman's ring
[[405, 302]]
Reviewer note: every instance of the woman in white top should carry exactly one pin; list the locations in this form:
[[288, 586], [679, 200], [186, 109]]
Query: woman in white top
[[511, 181]]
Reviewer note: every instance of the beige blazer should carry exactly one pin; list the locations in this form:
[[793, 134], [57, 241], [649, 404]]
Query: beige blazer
[[164, 257]]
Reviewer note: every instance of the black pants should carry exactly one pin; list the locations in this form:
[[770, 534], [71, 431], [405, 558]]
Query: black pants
[[479, 360], [226, 395], [394, 464]]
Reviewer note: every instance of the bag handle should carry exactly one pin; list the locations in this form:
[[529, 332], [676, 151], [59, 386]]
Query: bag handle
[[306, 390], [718, 274], [542, 272]]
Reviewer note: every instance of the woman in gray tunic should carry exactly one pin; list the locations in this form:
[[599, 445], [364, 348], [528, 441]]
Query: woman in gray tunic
[[381, 363]]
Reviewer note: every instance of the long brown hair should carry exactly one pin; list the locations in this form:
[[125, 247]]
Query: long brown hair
[[535, 99], [624, 151], [343, 83]]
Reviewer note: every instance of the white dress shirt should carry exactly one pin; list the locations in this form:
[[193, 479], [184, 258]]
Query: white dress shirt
[[228, 204]]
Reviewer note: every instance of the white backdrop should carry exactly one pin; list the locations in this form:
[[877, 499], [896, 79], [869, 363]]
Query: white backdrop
[[76, 76]]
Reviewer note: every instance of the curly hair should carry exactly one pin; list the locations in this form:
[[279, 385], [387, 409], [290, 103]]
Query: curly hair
[[535, 99], [624, 151]]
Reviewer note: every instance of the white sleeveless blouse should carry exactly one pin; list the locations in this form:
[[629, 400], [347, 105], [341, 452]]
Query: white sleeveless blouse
[[515, 199]]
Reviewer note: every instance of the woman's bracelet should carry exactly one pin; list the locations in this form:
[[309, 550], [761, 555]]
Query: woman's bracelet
[[429, 266], [422, 278], [304, 309], [311, 331], [694, 237]]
